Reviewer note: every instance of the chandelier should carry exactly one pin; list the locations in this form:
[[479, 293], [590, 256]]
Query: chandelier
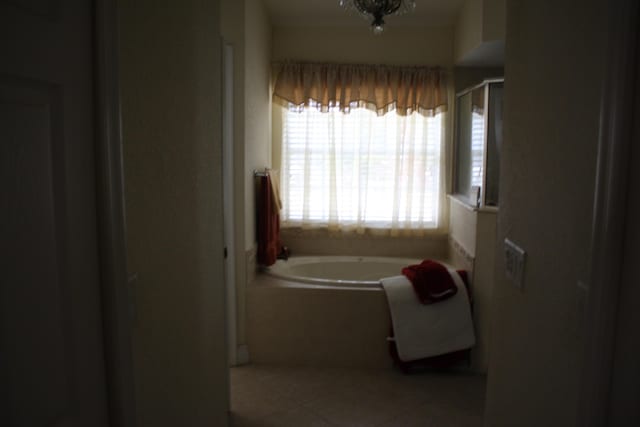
[[378, 9]]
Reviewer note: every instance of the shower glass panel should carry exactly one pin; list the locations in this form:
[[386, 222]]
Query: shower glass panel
[[478, 140]]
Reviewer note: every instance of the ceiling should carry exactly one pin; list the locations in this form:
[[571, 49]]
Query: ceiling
[[324, 13]]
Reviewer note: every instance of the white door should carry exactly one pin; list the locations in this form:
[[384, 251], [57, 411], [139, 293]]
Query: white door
[[51, 345]]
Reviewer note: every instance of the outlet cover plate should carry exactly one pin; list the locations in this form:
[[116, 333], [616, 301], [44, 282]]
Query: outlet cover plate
[[514, 259]]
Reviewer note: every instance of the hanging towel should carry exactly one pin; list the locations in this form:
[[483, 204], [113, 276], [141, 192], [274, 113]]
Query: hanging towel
[[275, 191], [268, 213], [428, 330], [431, 281]]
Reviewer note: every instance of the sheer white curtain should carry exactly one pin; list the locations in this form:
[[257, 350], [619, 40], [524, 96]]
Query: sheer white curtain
[[361, 171]]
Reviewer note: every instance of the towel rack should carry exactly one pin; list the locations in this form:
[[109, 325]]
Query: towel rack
[[257, 172]]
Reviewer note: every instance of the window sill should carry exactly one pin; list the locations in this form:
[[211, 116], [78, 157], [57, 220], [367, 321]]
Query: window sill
[[367, 234], [464, 202]]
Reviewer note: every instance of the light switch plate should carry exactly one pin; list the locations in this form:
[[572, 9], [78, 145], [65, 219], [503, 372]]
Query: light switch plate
[[514, 259]]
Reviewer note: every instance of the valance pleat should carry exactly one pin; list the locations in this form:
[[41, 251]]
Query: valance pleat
[[380, 88]]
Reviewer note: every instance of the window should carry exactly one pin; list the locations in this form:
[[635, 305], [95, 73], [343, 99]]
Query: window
[[359, 170], [478, 125], [361, 146], [477, 148]]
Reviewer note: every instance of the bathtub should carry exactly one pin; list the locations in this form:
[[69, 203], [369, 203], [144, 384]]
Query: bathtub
[[338, 271], [323, 311]]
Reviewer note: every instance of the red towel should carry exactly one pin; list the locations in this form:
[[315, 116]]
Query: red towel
[[431, 281], [269, 245]]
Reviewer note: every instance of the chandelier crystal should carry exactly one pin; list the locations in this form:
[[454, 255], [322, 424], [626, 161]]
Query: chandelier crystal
[[378, 9]]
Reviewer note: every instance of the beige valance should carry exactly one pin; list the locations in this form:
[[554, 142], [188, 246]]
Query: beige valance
[[380, 88]]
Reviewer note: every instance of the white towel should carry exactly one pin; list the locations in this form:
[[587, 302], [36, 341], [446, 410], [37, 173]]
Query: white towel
[[428, 330]]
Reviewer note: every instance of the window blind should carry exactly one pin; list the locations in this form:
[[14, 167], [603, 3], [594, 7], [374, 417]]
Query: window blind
[[360, 170]]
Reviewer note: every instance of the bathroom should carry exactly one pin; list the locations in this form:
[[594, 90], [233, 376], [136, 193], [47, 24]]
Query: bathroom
[[266, 44], [542, 205], [467, 39]]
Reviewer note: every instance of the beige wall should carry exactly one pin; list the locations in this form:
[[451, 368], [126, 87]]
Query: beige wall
[[465, 77], [462, 225], [552, 81], [493, 20], [429, 46], [483, 284], [468, 31], [321, 242], [170, 74], [257, 112], [480, 33], [475, 232]]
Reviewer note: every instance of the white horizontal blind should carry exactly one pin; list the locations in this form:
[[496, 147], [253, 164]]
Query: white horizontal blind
[[477, 148], [360, 170]]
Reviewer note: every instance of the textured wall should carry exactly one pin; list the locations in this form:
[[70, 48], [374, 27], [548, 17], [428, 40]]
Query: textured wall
[[468, 32], [412, 46], [170, 77], [257, 111], [480, 33], [552, 87], [493, 20]]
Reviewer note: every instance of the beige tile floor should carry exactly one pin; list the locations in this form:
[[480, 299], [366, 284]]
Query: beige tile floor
[[269, 396]]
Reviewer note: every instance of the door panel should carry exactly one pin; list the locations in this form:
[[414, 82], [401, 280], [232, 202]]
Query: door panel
[[37, 7], [52, 369], [33, 343]]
